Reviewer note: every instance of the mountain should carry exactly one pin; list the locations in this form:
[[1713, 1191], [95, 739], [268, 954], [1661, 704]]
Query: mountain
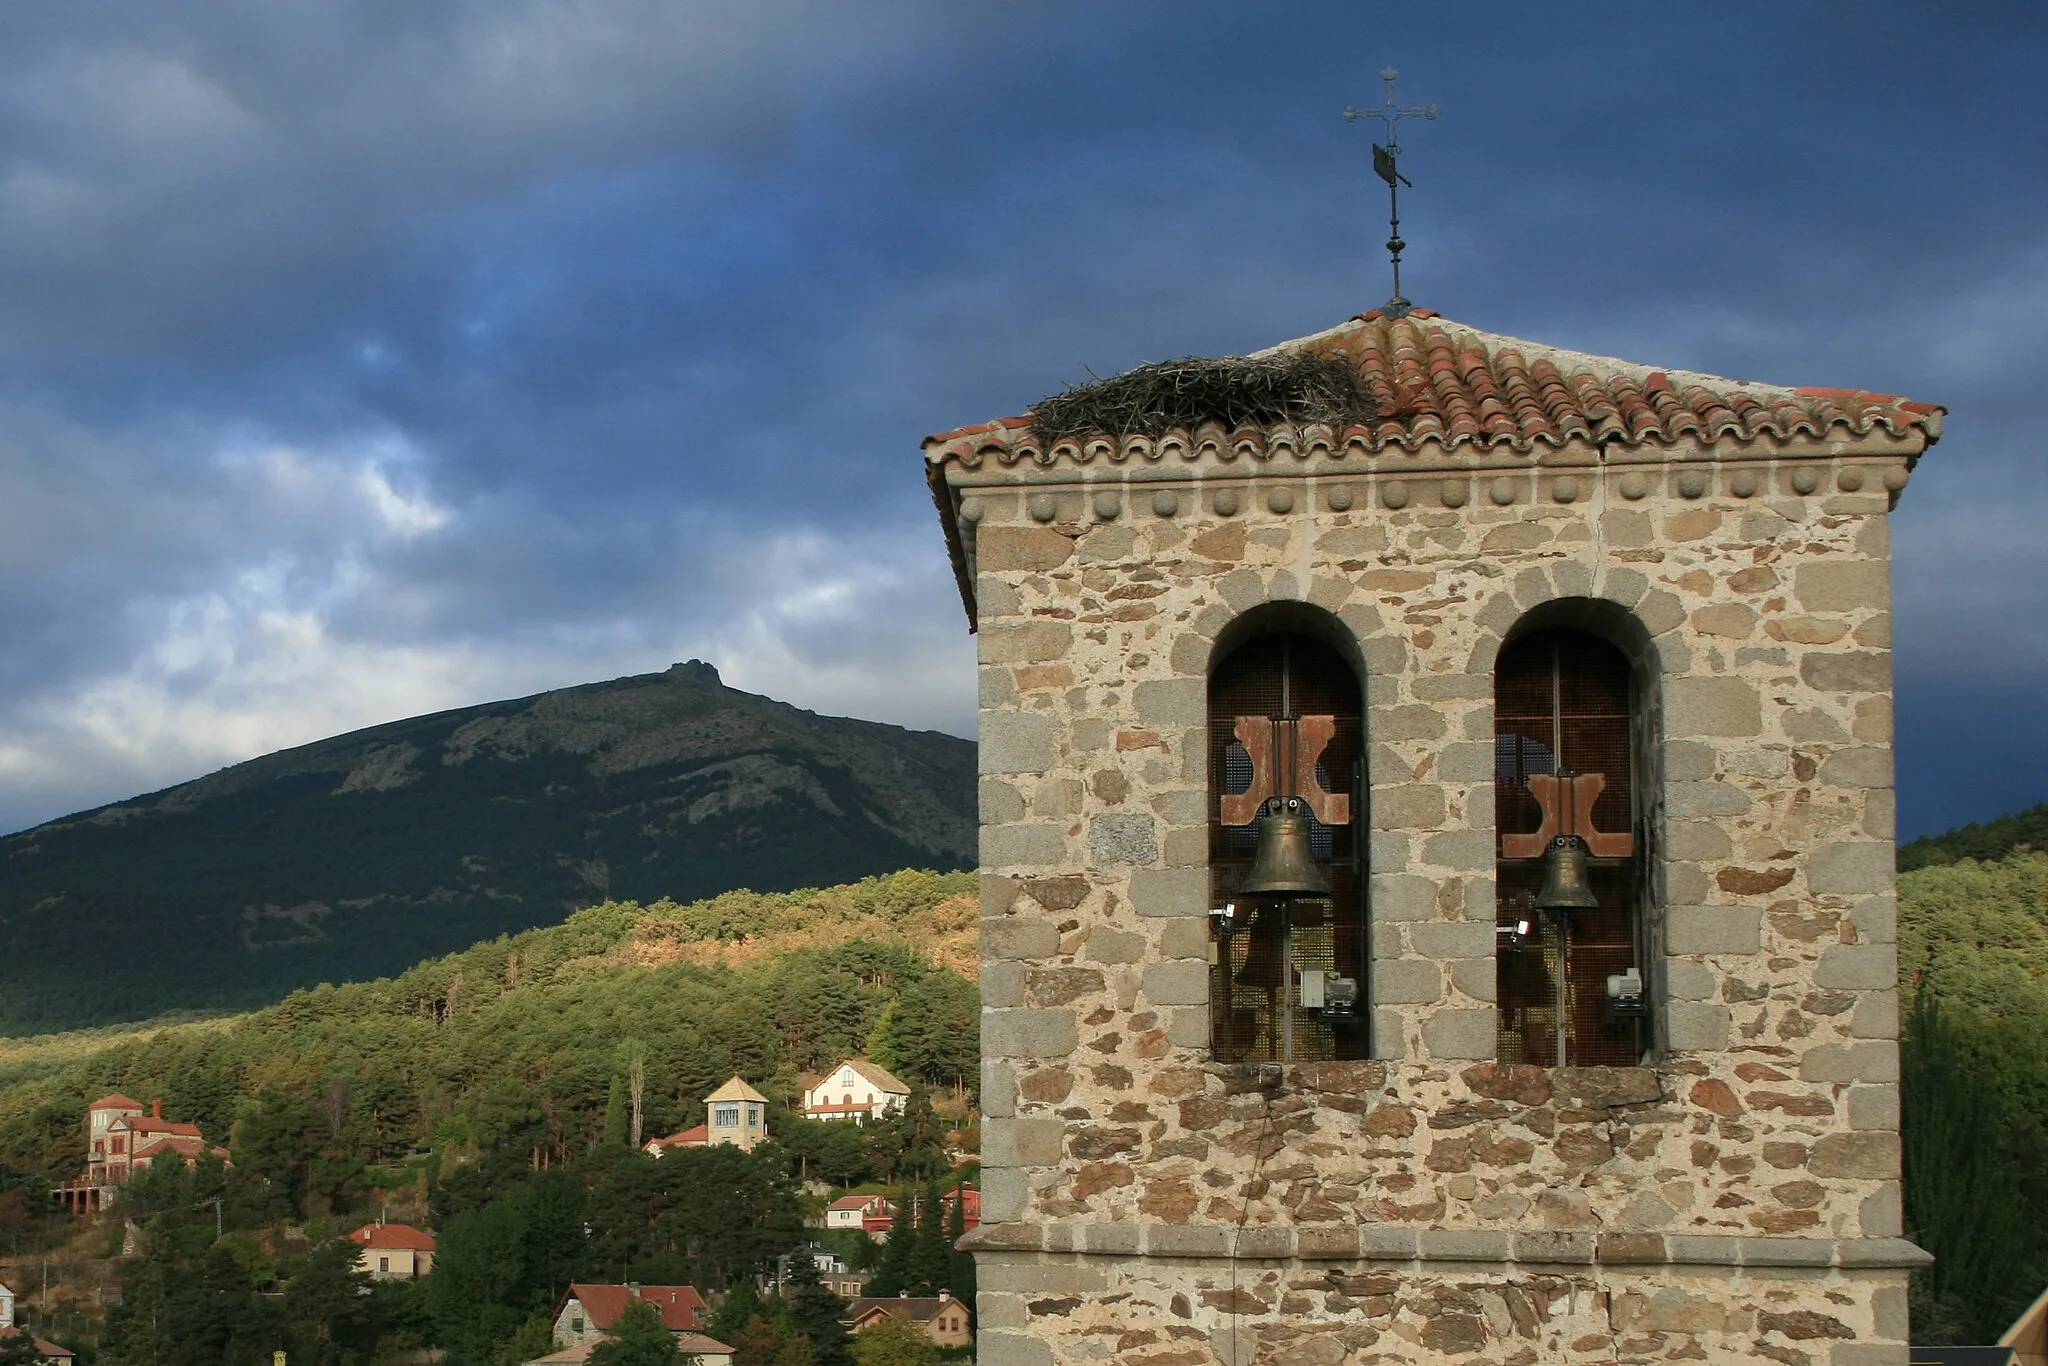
[[1980, 840], [357, 856]]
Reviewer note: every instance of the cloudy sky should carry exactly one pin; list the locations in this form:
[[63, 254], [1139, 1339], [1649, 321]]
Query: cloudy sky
[[360, 360]]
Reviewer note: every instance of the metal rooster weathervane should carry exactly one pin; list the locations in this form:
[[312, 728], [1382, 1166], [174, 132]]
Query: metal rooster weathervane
[[1386, 164]]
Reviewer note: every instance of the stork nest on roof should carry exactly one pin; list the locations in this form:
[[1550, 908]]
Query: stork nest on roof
[[1236, 392]]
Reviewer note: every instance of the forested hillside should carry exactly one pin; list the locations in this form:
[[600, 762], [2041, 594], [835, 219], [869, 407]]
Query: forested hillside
[[361, 855], [1973, 964], [1979, 840]]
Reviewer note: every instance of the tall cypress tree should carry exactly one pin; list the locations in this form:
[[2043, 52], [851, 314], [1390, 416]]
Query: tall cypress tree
[[930, 1260], [893, 1278], [961, 1280], [815, 1312]]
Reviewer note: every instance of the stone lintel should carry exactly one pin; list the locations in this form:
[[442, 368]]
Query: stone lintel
[[1384, 1243]]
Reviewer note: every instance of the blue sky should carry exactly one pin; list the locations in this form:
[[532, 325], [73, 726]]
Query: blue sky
[[360, 360]]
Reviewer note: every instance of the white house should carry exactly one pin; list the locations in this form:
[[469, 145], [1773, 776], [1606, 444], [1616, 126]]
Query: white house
[[7, 1305], [856, 1089], [848, 1211]]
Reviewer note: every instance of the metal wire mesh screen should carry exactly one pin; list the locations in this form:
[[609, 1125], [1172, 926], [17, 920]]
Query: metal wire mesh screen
[[1255, 972], [1562, 703]]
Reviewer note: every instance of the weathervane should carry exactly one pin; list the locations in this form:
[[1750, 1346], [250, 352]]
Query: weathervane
[[1386, 164]]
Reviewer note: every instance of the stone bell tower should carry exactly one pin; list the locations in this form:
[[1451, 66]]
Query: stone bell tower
[[1490, 593]]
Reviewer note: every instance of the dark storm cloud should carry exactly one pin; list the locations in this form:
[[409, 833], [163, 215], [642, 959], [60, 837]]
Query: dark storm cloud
[[358, 359]]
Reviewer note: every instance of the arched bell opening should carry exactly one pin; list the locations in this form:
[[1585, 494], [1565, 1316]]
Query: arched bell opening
[[1576, 817], [1289, 953]]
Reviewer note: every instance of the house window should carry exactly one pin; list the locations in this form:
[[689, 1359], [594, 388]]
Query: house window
[[383, 1263], [1273, 962], [1567, 706], [576, 1325]]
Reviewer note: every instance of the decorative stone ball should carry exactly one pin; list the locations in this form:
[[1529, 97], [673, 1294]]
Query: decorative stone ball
[[1565, 490], [1805, 480], [971, 510], [1692, 484], [1742, 483], [1042, 507], [1395, 495], [1339, 498], [1280, 500], [1107, 505], [1226, 502], [1165, 503], [1634, 486], [1455, 493], [1850, 479], [1502, 491]]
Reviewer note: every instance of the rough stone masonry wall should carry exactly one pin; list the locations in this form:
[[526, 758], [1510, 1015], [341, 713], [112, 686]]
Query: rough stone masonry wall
[[1770, 1115]]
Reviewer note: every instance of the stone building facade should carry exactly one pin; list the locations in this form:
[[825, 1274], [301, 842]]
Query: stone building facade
[[1727, 1191]]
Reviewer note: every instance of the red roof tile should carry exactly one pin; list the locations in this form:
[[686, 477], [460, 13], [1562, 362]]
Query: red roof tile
[[393, 1235], [681, 1307], [116, 1101], [696, 1136]]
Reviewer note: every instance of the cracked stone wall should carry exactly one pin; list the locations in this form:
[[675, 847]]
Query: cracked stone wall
[[1763, 1127]]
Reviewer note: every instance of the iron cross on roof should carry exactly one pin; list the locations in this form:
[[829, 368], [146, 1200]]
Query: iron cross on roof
[[1386, 164]]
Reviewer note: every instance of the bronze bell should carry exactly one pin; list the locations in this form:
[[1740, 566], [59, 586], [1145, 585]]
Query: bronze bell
[[1564, 877], [1285, 864], [1265, 952]]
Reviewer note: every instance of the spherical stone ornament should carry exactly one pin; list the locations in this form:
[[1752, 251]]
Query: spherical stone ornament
[[1692, 484], [1107, 505], [1395, 495], [1502, 491], [1455, 493], [1042, 507], [1895, 478], [971, 510], [1280, 500], [1850, 479], [1634, 486], [1742, 483], [1226, 502], [1805, 480], [1339, 498], [1565, 490], [1165, 503]]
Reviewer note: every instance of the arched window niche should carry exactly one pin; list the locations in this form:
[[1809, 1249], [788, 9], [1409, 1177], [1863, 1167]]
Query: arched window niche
[[1576, 695], [1288, 978]]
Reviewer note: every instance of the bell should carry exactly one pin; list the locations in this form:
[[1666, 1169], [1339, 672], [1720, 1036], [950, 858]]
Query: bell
[[1564, 877], [1284, 865], [1265, 954]]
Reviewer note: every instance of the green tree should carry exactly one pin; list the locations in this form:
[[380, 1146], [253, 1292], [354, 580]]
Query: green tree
[[815, 1314], [757, 1343], [19, 1349], [892, 1277], [326, 1300], [894, 1341], [960, 1282], [930, 1265], [615, 1120], [639, 1338]]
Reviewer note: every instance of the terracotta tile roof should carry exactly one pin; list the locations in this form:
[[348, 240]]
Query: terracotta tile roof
[[393, 1235], [1437, 381], [916, 1308], [143, 1124], [1466, 395], [49, 1349], [696, 1136], [116, 1101], [853, 1202], [682, 1308]]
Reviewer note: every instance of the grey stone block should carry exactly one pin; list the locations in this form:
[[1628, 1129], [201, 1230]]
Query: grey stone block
[[1182, 982], [1866, 766], [1464, 851], [1787, 1251], [1402, 896], [1466, 762], [1574, 578], [1454, 688], [1001, 802], [1417, 721], [1389, 1034], [1874, 1106], [1552, 1245], [1029, 1142], [1025, 1033], [1407, 981], [1842, 585], [1011, 1349], [1858, 967], [1121, 1240], [1408, 806], [1888, 1312], [1019, 936], [1175, 703], [1870, 1354], [1015, 742], [1706, 705], [1689, 761], [1877, 919], [1623, 585], [1478, 978], [1005, 1192], [1452, 938], [1857, 671], [1123, 837], [1023, 846], [1685, 884], [1882, 1214], [1184, 938], [1703, 1249], [1187, 1240], [996, 688], [1463, 1245], [1384, 1242], [1460, 1033], [1002, 983], [1713, 930], [1105, 945], [1684, 981], [1874, 1061], [1697, 840], [1170, 891], [1188, 1027], [1704, 799], [1850, 869], [1263, 1241], [1696, 1027], [1885, 1250]]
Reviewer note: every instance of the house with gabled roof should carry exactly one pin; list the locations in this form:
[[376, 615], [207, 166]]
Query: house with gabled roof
[[123, 1139], [735, 1113], [586, 1313], [946, 1321], [393, 1252], [856, 1089]]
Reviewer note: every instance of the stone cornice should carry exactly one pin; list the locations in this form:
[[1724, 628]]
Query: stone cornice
[[1400, 1244]]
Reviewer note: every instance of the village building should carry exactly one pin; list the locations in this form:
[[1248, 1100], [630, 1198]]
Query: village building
[[122, 1140], [587, 1313], [946, 1321], [850, 1211], [10, 1329], [856, 1089], [735, 1113], [1437, 847], [393, 1252]]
